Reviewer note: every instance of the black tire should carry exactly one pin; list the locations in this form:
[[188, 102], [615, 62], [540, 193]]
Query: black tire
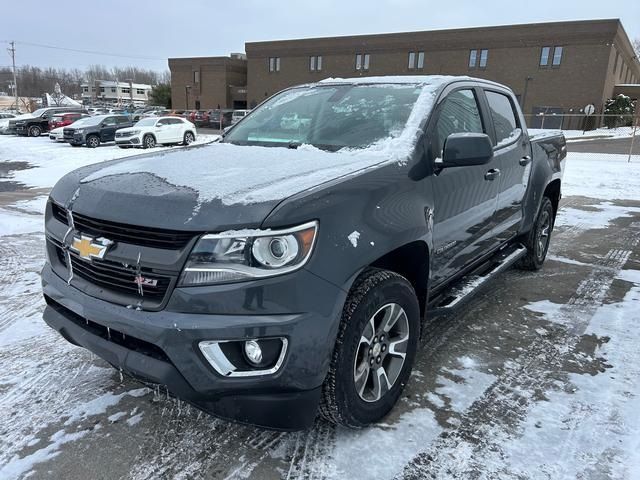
[[341, 403], [538, 239], [148, 141], [122, 146], [34, 131], [189, 138], [93, 141], [75, 144]]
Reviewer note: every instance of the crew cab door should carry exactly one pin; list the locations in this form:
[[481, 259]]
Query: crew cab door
[[512, 152], [464, 197], [108, 129]]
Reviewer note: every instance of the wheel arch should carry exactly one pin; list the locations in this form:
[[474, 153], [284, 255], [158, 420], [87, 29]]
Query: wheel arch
[[553, 192], [410, 260]]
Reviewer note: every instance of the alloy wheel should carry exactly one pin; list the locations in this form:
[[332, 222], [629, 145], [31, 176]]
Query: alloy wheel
[[149, 142], [381, 352], [542, 240], [188, 138]]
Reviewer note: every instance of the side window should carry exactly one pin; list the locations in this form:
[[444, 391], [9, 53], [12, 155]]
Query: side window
[[503, 116], [109, 122], [459, 113], [122, 120]]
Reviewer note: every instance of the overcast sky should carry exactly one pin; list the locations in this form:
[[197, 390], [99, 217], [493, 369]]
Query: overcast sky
[[161, 29]]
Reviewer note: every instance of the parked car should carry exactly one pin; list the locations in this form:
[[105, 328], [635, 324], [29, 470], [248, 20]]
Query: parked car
[[92, 131], [64, 119], [36, 123], [201, 118], [149, 132], [57, 134], [265, 284], [4, 115], [220, 119], [238, 115]]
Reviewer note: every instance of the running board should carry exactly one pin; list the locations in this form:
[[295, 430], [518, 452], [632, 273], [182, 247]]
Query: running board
[[468, 285]]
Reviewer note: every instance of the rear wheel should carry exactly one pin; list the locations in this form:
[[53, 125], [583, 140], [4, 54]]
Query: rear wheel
[[375, 349], [34, 131], [93, 141], [538, 239], [148, 141], [188, 138]]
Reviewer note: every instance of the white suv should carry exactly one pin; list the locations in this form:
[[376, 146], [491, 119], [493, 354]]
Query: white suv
[[151, 131]]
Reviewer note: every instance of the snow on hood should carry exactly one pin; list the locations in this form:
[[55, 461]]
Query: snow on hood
[[251, 174]]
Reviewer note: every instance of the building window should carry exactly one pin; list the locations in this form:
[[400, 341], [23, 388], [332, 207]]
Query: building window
[[484, 54], [101, 89], [557, 56], [85, 89], [113, 89], [544, 56], [274, 64], [315, 63], [126, 90], [362, 61], [473, 58], [196, 76], [412, 60], [139, 91]]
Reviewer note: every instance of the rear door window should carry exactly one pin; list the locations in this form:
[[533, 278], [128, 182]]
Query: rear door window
[[504, 118]]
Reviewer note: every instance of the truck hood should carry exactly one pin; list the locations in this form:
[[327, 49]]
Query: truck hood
[[212, 187]]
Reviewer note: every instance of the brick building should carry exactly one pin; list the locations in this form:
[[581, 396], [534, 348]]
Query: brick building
[[209, 82], [554, 67]]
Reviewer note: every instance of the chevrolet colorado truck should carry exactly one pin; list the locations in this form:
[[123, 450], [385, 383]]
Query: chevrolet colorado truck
[[289, 268]]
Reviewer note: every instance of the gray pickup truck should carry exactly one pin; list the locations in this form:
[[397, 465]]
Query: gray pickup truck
[[290, 268]]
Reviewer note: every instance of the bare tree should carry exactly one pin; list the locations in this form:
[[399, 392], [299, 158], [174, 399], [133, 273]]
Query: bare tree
[[636, 47]]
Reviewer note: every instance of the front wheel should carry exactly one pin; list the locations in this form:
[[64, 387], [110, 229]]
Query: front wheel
[[538, 239], [375, 349], [148, 141], [34, 131], [93, 141], [188, 138]]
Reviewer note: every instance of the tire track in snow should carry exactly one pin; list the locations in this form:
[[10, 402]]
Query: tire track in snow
[[506, 402]]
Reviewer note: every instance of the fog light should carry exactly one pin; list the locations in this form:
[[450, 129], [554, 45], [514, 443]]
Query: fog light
[[253, 352]]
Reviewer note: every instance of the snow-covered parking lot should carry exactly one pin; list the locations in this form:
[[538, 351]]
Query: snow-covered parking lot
[[538, 377]]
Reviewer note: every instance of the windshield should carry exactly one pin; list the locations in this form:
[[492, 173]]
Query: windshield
[[329, 117], [146, 122]]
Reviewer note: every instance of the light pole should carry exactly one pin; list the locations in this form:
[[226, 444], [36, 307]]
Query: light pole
[[187, 89]]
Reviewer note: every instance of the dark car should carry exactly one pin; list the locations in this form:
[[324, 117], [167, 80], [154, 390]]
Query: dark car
[[92, 131], [220, 119], [201, 118], [38, 122], [64, 119], [289, 269]]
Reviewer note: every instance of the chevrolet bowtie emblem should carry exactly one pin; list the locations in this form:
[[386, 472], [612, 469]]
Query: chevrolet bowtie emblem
[[89, 248]]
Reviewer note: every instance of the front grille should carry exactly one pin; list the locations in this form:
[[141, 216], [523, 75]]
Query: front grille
[[116, 277], [127, 341], [123, 134], [121, 232]]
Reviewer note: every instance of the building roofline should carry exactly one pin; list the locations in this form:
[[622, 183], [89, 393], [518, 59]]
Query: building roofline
[[612, 23]]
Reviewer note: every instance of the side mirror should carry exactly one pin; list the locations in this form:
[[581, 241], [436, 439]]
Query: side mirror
[[466, 149]]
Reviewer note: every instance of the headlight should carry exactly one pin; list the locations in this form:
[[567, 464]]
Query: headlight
[[245, 255], [132, 132]]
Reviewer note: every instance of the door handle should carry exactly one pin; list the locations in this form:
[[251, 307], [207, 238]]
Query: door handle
[[492, 174], [524, 161]]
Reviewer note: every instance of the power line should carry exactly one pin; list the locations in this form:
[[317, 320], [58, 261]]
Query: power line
[[91, 52]]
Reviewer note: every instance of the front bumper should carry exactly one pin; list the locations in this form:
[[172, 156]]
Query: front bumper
[[132, 141], [162, 347]]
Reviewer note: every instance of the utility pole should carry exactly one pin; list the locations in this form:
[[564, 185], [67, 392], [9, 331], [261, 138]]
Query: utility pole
[[12, 52]]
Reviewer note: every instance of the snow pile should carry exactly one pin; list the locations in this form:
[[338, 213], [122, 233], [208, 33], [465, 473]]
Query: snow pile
[[599, 216], [353, 238], [576, 135]]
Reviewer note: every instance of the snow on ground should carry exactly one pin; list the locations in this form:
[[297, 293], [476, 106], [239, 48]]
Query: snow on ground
[[50, 160], [605, 176]]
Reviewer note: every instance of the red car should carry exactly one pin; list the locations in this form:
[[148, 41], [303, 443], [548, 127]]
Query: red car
[[64, 119]]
